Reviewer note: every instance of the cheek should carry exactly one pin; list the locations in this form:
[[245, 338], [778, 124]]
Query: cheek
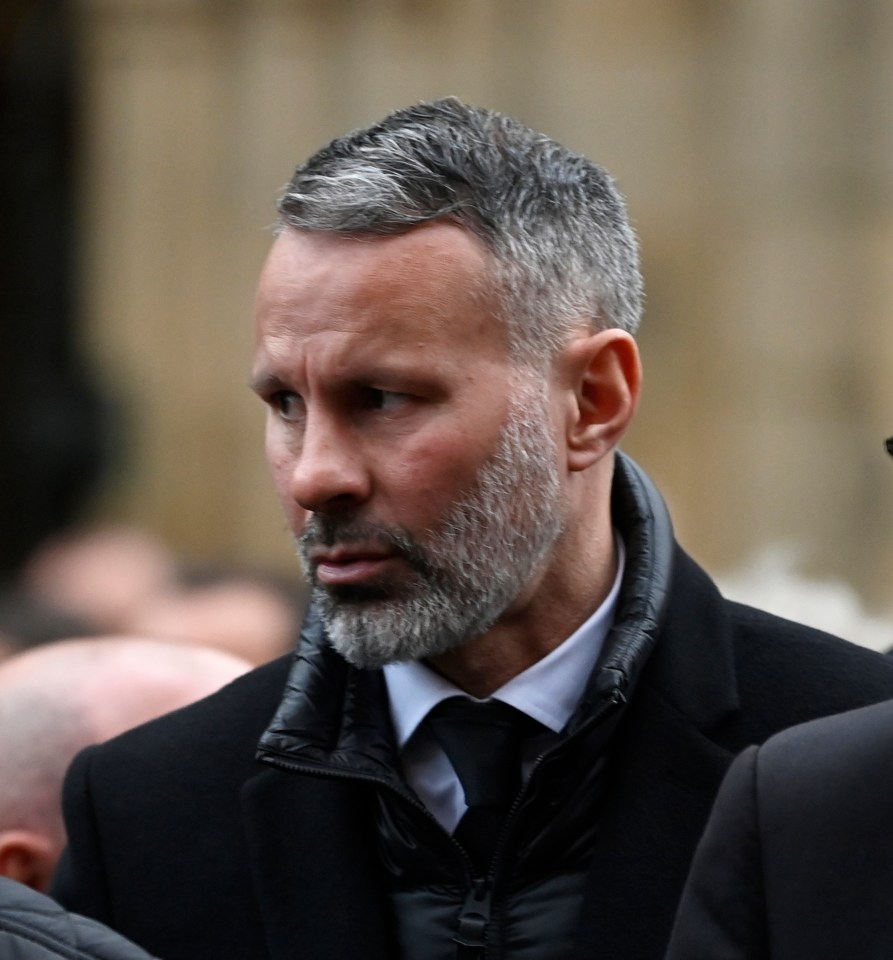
[[281, 466], [434, 474], [278, 460]]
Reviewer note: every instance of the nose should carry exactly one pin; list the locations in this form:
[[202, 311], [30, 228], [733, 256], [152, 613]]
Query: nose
[[328, 472]]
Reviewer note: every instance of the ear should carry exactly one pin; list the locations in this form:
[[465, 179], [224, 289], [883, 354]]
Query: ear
[[604, 380], [28, 857]]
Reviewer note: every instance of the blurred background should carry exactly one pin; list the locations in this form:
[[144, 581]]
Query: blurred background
[[142, 147]]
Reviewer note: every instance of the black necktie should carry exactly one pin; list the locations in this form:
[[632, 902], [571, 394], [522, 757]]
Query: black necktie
[[483, 742]]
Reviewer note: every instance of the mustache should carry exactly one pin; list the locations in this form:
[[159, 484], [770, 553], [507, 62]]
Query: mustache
[[329, 531]]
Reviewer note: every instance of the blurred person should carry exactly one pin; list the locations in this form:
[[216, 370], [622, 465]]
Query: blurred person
[[515, 695], [101, 574], [27, 619], [60, 697], [796, 861], [251, 614]]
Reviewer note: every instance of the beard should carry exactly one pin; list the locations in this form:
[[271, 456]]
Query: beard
[[464, 574]]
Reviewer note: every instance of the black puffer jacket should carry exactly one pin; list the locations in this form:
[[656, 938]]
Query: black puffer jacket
[[334, 722], [34, 927]]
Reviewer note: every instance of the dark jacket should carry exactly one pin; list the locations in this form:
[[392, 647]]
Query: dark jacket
[[34, 927], [797, 861], [191, 844], [334, 723]]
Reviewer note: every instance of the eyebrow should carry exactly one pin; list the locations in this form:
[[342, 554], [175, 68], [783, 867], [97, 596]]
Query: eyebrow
[[264, 384]]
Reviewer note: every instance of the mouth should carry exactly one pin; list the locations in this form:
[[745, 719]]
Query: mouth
[[350, 565]]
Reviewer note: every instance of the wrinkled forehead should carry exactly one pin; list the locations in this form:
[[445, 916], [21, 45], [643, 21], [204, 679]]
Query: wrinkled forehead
[[434, 280], [442, 248]]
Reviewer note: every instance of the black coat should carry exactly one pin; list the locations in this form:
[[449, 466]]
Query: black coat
[[34, 927], [183, 841], [797, 861]]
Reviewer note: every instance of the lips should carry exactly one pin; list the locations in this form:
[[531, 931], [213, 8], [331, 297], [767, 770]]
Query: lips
[[340, 566]]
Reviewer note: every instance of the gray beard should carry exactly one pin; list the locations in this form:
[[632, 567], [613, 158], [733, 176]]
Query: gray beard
[[463, 576]]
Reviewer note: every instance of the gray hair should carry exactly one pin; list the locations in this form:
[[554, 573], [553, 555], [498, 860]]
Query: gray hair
[[564, 253]]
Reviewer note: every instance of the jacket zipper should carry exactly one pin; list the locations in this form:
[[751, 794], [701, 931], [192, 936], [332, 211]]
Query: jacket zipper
[[275, 759], [495, 916], [477, 916], [474, 920]]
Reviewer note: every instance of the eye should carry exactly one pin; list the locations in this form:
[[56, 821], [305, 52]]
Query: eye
[[287, 404], [386, 399]]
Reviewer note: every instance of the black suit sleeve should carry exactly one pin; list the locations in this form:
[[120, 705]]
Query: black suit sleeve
[[722, 911], [79, 883]]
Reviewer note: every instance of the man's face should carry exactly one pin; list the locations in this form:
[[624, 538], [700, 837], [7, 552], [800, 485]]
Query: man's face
[[417, 466]]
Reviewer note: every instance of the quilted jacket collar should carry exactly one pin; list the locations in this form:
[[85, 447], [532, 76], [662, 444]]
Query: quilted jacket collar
[[335, 716]]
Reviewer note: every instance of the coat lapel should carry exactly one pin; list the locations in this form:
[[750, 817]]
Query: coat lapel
[[653, 817], [315, 868], [665, 767]]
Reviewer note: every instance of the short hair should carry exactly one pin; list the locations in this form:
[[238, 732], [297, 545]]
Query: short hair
[[563, 250]]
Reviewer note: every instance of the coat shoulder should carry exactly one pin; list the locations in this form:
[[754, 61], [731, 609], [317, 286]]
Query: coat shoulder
[[802, 672], [742, 674], [844, 751], [203, 740]]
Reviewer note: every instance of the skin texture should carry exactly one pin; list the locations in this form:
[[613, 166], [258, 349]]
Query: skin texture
[[387, 379], [60, 697]]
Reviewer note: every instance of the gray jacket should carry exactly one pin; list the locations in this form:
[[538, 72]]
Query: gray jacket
[[34, 927]]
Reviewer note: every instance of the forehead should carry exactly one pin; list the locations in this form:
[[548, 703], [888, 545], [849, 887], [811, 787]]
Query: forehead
[[431, 285]]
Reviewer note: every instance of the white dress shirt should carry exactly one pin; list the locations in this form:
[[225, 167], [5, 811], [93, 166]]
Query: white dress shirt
[[547, 691]]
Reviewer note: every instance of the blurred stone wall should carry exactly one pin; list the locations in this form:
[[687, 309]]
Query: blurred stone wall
[[754, 142]]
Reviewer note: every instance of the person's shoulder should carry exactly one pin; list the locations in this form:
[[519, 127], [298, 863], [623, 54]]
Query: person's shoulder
[[790, 673], [228, 722], [35, 927], [859, 739], [821, 786], [774, 641]]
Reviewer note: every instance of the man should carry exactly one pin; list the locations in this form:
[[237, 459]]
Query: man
[[795, 861], [56, 699], [444, 345]]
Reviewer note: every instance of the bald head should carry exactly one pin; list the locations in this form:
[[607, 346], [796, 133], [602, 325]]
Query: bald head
[[60, 697]]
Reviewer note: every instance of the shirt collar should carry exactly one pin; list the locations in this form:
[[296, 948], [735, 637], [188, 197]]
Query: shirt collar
[[548, 690]]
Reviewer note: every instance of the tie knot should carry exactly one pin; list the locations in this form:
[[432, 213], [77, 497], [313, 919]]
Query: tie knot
[[483, 742]]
